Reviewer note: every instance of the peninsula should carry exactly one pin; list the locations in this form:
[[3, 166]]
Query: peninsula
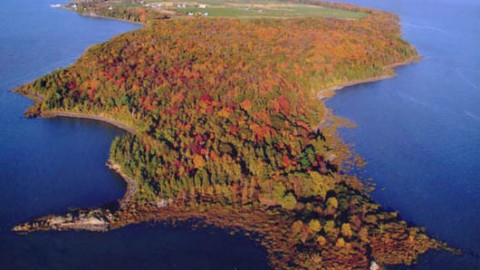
[[221, 104]]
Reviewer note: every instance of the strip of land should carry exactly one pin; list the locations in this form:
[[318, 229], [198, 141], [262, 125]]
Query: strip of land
[[329, 92], [121, 125]]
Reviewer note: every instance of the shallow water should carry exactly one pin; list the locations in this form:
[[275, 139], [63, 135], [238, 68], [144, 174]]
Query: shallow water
[[49, 165], [419, 131]]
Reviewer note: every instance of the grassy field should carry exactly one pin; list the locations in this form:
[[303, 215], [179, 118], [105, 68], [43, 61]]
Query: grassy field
[[281, 12], [256, 9]]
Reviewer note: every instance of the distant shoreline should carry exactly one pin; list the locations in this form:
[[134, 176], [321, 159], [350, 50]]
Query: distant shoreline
[[121, 125], [96, 16], [329, 92]]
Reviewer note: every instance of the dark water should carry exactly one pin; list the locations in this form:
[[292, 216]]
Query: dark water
[[47, 166], [420, 131]]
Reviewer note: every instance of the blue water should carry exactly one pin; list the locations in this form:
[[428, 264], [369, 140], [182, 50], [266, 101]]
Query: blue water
[[49, 165], [420, 131]]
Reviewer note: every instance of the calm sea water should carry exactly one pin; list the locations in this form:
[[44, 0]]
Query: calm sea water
[[420, 131], [47, 166]]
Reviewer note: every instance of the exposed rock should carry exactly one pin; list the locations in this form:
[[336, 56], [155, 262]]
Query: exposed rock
[[163, 203], [374, 266], [80, 220]]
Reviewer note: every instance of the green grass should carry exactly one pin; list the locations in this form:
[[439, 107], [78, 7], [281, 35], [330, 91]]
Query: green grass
[[274, 11], [258, 9]]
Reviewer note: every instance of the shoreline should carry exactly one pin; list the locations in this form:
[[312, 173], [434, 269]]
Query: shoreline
[[330, 91], [98, 219], [118, 124], [96, 16], [131, 183]]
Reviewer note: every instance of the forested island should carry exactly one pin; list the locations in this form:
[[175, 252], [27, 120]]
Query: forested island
[[226, 128]]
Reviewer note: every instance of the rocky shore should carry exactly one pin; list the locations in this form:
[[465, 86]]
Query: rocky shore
[[97, 220], [131, 184]]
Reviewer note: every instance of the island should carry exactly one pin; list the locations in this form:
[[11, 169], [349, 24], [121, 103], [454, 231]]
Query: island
[[226, 125]]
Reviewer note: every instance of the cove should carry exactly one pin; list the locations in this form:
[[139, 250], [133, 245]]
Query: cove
[[48, 165], [419, 131]]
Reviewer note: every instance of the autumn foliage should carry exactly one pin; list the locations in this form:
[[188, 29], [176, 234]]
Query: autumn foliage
[[226, 113]]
